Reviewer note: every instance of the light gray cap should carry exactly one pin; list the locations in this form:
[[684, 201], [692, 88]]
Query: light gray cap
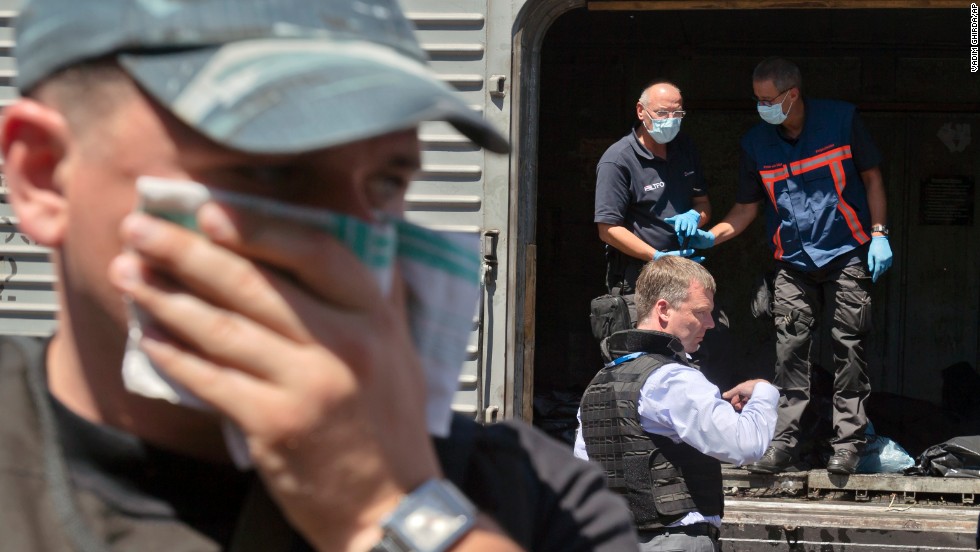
[[264, 76]]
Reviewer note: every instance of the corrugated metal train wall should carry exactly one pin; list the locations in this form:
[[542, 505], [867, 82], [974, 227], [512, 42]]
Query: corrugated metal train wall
[[448, 193]]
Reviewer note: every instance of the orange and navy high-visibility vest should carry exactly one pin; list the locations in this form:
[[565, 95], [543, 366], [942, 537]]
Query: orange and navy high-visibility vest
[[817, 206]]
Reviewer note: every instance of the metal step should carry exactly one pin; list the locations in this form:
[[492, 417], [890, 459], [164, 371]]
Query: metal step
[[807, 525], [861, 487], [817, 511]]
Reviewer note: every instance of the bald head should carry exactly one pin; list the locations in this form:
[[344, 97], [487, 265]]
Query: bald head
[[660, 92], [659, 102]]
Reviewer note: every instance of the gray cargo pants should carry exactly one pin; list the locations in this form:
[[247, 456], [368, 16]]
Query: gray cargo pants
[[799, 301], [678, 543]]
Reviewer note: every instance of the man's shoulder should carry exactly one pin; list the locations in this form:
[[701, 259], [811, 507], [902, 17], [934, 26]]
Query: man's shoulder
[[828, 105], [761, 131], [509, 437], [685, 142], [663, 369], [26, 523], [619, 150], [509, 450], [828, 110], [672, 363], [534, 487], [16, 352], [670, 368]]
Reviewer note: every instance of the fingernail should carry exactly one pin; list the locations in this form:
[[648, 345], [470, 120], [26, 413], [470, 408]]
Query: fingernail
[[215, 223], [124, 271], [139, 228]]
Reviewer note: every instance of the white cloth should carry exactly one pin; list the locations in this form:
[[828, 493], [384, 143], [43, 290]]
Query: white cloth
[[441, 271], [678, 402]]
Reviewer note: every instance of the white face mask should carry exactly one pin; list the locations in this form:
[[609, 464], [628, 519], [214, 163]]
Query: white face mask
[[440, 270], [663, 130], [773, 114]]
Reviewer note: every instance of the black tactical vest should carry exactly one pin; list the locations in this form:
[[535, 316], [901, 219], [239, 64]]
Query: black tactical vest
[[661, 480]]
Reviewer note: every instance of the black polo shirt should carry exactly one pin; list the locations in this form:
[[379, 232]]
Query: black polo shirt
[[638, 190]]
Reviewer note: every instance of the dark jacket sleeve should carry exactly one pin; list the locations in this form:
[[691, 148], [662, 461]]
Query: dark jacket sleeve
[[541, 495]]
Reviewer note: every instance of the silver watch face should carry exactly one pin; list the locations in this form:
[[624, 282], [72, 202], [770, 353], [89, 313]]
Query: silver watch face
[[432, 517], [431, 524]]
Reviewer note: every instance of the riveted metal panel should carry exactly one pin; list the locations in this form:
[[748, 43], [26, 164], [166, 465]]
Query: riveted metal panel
[[450, 192], [28, 303], [8, 9], [453, 192], [27, 300]]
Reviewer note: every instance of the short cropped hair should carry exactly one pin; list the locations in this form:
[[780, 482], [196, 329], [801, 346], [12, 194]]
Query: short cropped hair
[[669, 278], [782, 72], [644, 100], [85, 92]]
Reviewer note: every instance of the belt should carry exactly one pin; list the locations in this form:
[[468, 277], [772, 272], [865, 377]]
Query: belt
[[702, 529]]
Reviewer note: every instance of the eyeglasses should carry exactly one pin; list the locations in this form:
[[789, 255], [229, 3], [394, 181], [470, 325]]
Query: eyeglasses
[[664, 114], [767, 103]]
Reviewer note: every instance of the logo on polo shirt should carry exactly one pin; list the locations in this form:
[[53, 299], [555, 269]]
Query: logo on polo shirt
[[653, 186], [688, 173]]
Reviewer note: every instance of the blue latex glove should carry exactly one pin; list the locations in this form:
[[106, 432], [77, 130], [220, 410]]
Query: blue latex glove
[[685, 224], [879, 257], [702, 239], [681, 253]]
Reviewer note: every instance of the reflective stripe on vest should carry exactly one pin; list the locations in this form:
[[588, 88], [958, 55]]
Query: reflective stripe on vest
[[834, 160], [769, 179], [818, 207]]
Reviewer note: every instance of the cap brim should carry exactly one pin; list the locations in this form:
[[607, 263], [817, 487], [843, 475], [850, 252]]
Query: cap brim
[[297, 95]]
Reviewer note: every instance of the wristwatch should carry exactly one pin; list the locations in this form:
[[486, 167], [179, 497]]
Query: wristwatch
[[430, 519], [879, 228]]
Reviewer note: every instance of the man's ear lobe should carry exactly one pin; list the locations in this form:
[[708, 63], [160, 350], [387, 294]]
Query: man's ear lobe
[[661, 311], [33, 139]]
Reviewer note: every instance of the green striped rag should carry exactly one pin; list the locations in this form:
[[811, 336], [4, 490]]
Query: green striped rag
[[441, 272]]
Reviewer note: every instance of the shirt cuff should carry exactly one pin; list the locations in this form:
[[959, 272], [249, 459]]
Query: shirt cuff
[[767, 392]]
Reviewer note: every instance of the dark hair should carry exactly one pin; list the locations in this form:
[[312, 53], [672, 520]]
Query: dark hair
[[783, 73], [86, 91]]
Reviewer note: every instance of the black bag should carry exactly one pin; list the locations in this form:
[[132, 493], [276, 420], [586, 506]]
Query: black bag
[[957, 457], [611, 314]]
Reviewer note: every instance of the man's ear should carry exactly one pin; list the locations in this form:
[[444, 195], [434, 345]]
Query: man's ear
[[661, 313], [33, 139]]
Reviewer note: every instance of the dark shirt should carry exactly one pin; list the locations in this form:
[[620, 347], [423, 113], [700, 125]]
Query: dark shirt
[[864, 153], [819, 240], [150, 483], [127, 495], [638, 190]]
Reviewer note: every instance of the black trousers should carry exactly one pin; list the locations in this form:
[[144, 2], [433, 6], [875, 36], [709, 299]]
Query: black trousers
[[800, 300], [622, 272]]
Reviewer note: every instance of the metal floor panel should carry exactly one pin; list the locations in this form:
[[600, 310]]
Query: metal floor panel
[[805, 525], [816, 511]]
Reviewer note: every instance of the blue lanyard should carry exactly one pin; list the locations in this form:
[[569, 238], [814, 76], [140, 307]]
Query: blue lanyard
[[624, 358]]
